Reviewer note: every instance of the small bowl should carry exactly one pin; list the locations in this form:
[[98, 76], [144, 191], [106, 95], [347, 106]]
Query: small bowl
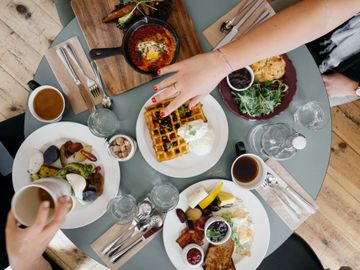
[[185, 252], [211, 221], [248, 68], [116, 156]]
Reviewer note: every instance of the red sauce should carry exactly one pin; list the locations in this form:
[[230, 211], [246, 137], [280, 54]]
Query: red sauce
[[193, 256], [152, 33]]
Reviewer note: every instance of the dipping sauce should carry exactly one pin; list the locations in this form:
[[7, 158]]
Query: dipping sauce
[[240, 79], [48, 104], [151, 47], [194, 256], [217, 231], [245, 169]]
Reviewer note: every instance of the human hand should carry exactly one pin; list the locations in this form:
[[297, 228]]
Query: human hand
[[194, 79], [26, 246], [338, 85]]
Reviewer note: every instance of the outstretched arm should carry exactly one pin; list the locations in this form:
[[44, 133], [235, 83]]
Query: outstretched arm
[[198, 76]]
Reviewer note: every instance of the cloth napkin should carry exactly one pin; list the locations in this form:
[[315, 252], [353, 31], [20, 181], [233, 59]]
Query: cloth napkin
[[67, 84], [271, 197]]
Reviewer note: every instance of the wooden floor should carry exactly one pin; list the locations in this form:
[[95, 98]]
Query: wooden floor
[[333, 232]]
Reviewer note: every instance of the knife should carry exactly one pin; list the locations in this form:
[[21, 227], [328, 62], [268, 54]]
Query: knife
[[145, 236], [235, 29], [85, 94]]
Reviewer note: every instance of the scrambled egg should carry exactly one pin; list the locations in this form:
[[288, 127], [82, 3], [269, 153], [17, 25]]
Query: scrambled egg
[[150, 50], [269, 69]]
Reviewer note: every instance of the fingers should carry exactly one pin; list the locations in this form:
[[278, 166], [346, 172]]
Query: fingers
[[176, 103], [60, 212], [11, 222], [169, 92], [165, 83], [195, 101], [41, 218], [169, 69]]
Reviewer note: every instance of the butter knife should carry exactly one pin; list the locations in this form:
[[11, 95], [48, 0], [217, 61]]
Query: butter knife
[[145, 236], [85, 94], [229, 37]]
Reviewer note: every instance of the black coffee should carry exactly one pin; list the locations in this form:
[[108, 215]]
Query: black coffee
[[245, 169]]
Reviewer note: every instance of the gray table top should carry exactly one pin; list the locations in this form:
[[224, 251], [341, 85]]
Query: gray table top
[[308, 166]]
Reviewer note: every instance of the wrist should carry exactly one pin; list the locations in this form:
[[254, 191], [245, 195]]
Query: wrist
[[223, 63], [25, 264]]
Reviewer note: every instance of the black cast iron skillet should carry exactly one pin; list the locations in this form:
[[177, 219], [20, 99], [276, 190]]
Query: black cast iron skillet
[[99, 53]]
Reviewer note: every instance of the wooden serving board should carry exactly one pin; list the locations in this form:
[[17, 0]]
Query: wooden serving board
[[118, 76]]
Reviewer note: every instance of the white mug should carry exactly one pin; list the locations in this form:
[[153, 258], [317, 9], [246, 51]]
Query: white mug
[[31, 103], [258, 179], [26, 201]]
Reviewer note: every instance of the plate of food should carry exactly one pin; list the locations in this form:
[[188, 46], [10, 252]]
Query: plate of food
[[185, 143], [216, 223], [69, 151], [271, 92]]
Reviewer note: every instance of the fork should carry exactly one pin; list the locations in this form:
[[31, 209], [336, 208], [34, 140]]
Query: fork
[[90, 83]]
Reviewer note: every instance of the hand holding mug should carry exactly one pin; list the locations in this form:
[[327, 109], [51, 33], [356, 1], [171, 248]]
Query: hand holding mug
[[26, 246]]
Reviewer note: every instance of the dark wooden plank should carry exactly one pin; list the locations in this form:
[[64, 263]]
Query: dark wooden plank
[[117, 74]]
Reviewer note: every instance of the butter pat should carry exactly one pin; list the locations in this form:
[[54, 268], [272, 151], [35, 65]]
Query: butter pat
[[197, 196]]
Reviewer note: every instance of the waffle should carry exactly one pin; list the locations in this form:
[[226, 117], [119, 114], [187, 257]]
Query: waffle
[[163, 131]]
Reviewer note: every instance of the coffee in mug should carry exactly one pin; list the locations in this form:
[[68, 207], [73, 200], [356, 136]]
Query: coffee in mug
[[27, 200], [248, 171]]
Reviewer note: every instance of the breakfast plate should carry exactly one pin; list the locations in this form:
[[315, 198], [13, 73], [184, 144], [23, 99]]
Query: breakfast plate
[[56, 134], [260, 222], [190, 164]]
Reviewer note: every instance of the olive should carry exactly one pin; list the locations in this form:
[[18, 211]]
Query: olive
[[51, 155]]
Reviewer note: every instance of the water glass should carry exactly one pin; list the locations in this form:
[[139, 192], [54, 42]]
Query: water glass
[[311, 115], [164, 196], [123, 208], [103, 122]]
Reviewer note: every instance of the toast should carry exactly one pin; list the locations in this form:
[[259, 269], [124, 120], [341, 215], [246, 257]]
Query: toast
[[218, 257]]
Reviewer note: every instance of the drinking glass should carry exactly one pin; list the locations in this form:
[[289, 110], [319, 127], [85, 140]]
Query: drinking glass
[[164, 196], [311, 115], [103, 122], [123, 208]]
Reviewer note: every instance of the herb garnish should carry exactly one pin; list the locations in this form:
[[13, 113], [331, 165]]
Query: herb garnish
[[260, 98]]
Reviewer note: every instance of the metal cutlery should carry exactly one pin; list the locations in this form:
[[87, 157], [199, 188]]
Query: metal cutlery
[[300, 199], [235, 29], [285, 202], [156, 224], [106, 100], [83, 91], [228, 25], [91, 84], [145, 209]]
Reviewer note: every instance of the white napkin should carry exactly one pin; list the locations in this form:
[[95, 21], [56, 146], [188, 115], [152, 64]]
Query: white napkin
[[277, 197]]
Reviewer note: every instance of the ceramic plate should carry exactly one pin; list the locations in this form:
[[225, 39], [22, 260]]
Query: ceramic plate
[[173, 227], [289, 78], [57, 134], [189, 164]]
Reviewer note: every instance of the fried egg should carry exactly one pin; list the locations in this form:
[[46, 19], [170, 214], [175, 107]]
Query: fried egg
[[150, 50]]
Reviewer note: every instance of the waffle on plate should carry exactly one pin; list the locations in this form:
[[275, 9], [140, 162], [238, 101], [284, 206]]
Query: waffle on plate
[[163, 131]]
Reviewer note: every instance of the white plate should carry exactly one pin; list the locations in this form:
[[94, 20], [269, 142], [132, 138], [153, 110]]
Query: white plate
[[57, 134], [173, 227], [190, 164]]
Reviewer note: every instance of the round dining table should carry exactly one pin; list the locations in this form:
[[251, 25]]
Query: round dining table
[[137, 177]]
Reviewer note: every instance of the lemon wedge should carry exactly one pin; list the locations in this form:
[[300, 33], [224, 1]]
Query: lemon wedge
[[226, 198], [205, 202]]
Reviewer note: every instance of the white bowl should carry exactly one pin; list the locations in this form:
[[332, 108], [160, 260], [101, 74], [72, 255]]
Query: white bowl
[[186, 250], [133, 147], [211, 221], [242, 89]]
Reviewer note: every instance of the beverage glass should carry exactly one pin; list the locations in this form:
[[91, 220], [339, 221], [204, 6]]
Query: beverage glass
[[164, 196], [123, 208], [26, 201], [311, 115], [103, 122], [248, 171]]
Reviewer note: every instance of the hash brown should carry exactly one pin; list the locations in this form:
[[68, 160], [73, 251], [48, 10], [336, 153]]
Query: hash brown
[[269, 69]]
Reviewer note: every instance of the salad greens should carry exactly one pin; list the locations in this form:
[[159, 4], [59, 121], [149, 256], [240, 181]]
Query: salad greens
[[260, 98], [126, 18]]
